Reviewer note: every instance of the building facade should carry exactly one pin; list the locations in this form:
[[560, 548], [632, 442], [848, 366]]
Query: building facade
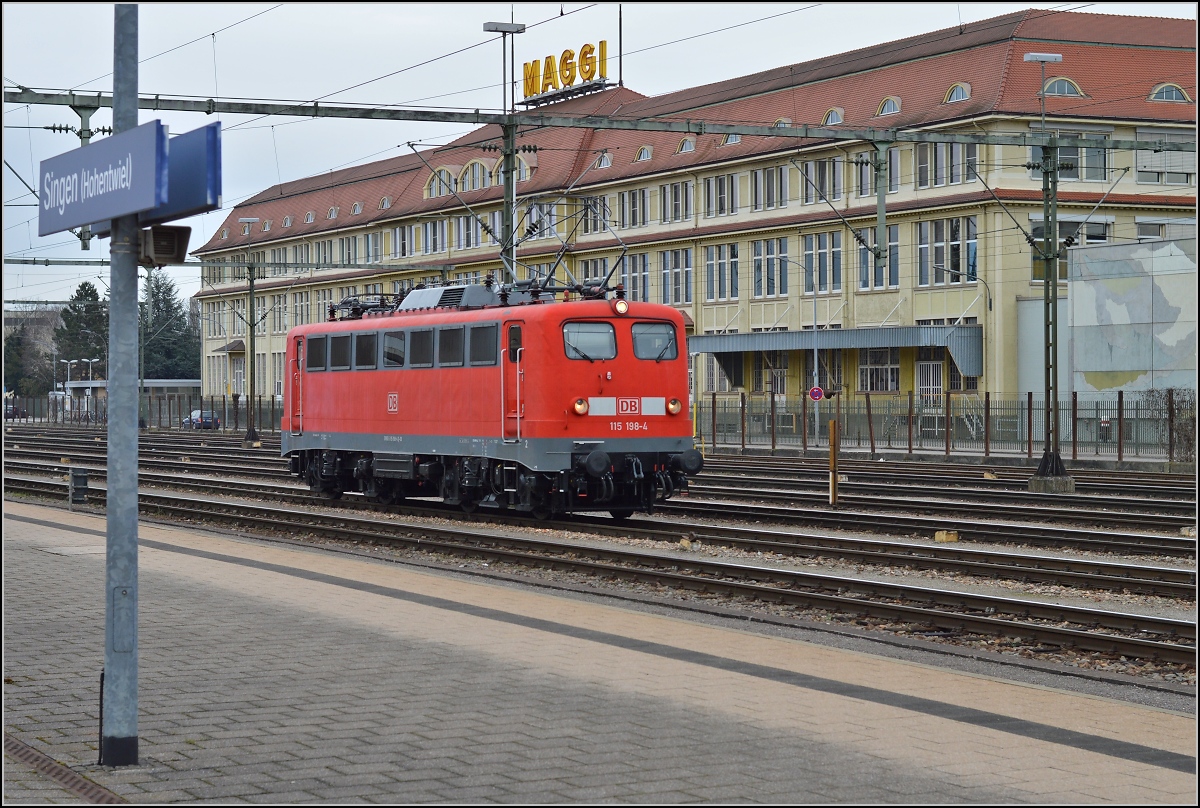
[[763, 242]]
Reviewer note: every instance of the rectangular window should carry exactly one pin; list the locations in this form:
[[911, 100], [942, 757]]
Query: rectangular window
[[770, 267], [864, 175], [634, 208], [768, 188], [878, 369], [676, 202], [239, 317], [635, 275], [589, 341], [373, 247], [1089, 233], [1086, 164], [348, 249], [339, 352], [593, 269], [676, 276], [594, 210], [300, 312], [467, 232], [770, 372], [721, 272], [943, 164], [433, 237], [316, 353], [655, 341], [483, 344], [540, 220], [871, 274], [720, 195], [947, 251], [1166, 167], [402, 241], [279, 323], [893, 170], [364, 351], [393, 349], [450, 347], [420, 349], [823, 262], [277, 372]]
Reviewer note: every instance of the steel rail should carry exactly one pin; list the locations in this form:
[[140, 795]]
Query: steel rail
[[958, 611]]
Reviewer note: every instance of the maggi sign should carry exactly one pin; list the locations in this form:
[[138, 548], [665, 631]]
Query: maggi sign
[[559, 72]]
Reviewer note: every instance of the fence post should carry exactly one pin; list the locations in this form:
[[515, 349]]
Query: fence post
[[1170, 424], [910, 420], [743, 422], [1075, 425], [841, 427], [1029, 431], [804, 422], [947, 422], [987, 424], [870, 423], [714, 422], [772, 420], [1120, 425]]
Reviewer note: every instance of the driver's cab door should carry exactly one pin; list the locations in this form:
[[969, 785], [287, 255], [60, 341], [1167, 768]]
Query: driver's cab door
[[513, 380]]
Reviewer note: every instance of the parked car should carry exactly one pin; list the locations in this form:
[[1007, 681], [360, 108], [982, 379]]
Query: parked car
[[202, 419], [14, 411]]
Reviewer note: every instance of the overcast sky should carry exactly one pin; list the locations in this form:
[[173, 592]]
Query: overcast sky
[[423, 54]]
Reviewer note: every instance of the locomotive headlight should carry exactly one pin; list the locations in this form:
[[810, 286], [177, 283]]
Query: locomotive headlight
[[580, 406], [674, 406], [620, 306]]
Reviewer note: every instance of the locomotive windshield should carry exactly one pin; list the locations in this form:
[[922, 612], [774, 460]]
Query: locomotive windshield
[[590, 341], [654, 341]]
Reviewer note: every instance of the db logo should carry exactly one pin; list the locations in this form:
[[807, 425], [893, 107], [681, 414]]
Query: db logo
[[629, 406], [393, 402]]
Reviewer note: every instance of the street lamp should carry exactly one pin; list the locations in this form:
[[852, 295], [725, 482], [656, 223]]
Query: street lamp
[[969, 279], [504, 29], [67, 383], [251, 440]]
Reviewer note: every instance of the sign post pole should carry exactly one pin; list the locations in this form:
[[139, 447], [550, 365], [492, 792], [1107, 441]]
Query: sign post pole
[[119, 700]]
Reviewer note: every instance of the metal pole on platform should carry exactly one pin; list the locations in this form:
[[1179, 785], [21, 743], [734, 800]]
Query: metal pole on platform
[[119, 713]]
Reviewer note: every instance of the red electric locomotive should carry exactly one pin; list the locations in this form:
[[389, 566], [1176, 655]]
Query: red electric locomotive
[[495, 398]]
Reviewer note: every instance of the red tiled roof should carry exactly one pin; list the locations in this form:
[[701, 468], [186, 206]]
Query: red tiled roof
[[1116, 61]]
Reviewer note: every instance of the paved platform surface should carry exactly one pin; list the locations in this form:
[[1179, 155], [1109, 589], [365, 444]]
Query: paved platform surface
[[273, 673]]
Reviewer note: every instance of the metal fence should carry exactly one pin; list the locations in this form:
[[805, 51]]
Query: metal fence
[[1155, 424], [1117, 426]]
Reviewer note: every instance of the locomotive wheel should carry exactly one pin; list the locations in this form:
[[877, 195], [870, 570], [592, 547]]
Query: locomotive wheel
[[540, 512], [468, 506], [621, 514], [336, 493]]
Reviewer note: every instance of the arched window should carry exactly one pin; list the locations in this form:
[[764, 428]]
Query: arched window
[[246, 229], [266, 225], [833, 117], [357, 208], [308, 217], [686, 145], [332, 213], [385, 203], [604, 160], [224, 232], [522, 171], [440, 184], [1169, 92], [643, 154], [959, 92], [1062, 87], [890, 106], [731, 140], [287, 221], [475, 177]]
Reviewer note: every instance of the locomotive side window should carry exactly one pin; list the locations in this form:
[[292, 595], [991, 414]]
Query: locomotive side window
[[393, 349], [590, 341], [450, 347], [365, 355], [420, 349], [339, 352], [654, 341], [483, 344], [316, 353], [514, 342]]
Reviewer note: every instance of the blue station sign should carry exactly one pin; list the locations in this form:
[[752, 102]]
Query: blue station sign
[[116, 176]]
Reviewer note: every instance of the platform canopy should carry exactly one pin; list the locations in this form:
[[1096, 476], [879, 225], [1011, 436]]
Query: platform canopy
[[965, 342]]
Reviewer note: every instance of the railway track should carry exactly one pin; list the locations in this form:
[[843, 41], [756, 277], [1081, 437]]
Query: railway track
[[1131, 635], [1097, 575]]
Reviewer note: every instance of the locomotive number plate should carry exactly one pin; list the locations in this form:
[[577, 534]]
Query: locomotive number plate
[[628, 426]]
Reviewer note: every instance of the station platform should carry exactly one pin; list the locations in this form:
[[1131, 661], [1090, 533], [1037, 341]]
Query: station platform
[[276, 673]]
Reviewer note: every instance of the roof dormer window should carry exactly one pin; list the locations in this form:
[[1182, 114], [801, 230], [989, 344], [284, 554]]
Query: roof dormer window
[[246, 229], [266, 225], [224, 232], [385, 203], [644, 153], [833, 117], [1169, 92], [357, 208], [604, 160], [688, 144], [731, 140], [1063, 87], [287, 221], [890, 106], [959, 92], [332, 213], [309, 217]]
